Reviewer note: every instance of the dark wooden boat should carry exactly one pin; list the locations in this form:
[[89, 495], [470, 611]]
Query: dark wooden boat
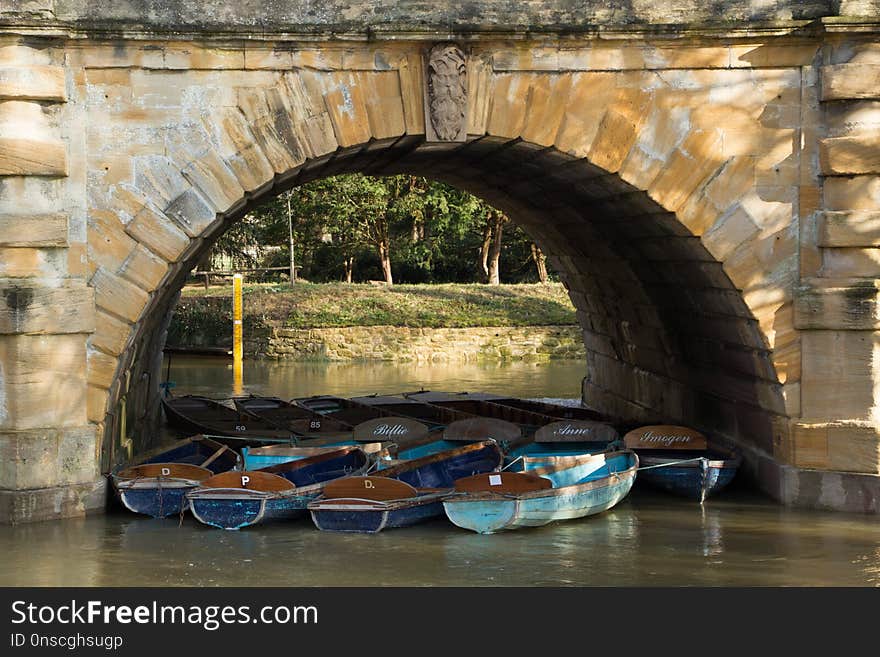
[[240, 499], [427, 478], [474, 404], [292, 417], [198, 414], [682, 461], [158, 484], [430, 415], [341, 409]]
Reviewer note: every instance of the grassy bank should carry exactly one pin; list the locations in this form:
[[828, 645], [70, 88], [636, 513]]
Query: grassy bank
[[332, 305]]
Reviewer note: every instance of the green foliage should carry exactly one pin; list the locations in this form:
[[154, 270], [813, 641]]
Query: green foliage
[[433, 232]]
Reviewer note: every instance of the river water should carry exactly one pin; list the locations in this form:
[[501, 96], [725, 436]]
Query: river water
[[739, 538]]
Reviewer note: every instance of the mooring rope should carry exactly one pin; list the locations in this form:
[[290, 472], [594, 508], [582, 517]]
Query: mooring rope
[[518, 458], [666, 465]]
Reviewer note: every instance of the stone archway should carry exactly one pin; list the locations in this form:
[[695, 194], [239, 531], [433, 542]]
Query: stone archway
[[674, 184]]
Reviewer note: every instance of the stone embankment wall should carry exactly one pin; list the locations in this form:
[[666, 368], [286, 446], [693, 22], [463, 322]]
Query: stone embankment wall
[[395, 343]]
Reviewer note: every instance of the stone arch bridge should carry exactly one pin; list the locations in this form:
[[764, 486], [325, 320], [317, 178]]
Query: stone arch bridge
[[705, 176]]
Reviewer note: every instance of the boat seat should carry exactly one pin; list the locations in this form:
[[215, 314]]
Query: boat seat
[[369, 488], [502, 483]]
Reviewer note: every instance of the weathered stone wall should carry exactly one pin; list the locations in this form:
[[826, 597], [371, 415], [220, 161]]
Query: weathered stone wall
[[431, 345], [709, 193]]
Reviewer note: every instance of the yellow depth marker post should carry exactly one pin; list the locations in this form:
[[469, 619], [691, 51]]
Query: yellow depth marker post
[[237, 350]]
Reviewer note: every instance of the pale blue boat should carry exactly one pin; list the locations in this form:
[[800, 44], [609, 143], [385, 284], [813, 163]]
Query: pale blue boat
[[573, 487]]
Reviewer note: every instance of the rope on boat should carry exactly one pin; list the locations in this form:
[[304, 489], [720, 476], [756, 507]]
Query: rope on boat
[[666, 465], [704, 467], [518, 458]]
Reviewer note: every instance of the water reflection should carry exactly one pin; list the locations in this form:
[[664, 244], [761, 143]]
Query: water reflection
[[650, 539], [214, 376]]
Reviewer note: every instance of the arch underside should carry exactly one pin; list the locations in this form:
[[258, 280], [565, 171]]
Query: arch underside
[[668, 336]]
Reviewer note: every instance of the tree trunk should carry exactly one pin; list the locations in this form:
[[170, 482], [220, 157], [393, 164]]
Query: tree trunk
[[540, 263], [385, 257], [494, 273], [349, 268], [484, 251]]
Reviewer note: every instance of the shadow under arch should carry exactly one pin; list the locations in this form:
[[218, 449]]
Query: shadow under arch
[[668, 336]]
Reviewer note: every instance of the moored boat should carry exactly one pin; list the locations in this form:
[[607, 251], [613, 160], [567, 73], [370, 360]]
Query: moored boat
[[370, 504], [293, 417], [563, 439], [239, 499], [210, 417], [681, 460], [158, 484], [571, 488]]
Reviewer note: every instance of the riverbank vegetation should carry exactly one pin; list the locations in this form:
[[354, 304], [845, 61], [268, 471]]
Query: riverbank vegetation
[[330, 305]]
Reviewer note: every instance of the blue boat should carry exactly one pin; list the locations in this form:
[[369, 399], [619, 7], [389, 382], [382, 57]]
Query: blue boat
[[370, 504], [681, 460], [233, 500], [236, 499], [562, 439], [158, 484], [575, 487]]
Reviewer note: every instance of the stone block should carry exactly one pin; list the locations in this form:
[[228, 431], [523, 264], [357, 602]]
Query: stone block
[[111, 333], [850, 81], [191, 212], [96, 402], [32, 263], [234, 142], [837, 382], [344, 98], [852, 193], [108, 243], [36, 230], [853, 154], [37, 309], [831, 304], [859, 228], [384, 104], [42, 381], [144, 269], [101, 368], [48, 457], [23, 156], [34, 505], [159, 233], [30, 82], [118, 296]]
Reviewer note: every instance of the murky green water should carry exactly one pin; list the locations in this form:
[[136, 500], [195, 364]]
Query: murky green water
[[739, 538]]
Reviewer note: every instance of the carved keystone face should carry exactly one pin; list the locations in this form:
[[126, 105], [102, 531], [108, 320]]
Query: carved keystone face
[[447, 90]]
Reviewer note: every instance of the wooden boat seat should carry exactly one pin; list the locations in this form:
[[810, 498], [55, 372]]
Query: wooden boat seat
[[482, 428], [665, 437], [165, 471], [369, 488], [249, 480], [502, 483]]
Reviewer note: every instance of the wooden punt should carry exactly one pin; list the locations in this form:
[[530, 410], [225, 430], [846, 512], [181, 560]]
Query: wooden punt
[[574, 488], [157, 485], [207, 416], [431, 476], [682, 461], [341, 409], [240, 499], [293, 417]]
